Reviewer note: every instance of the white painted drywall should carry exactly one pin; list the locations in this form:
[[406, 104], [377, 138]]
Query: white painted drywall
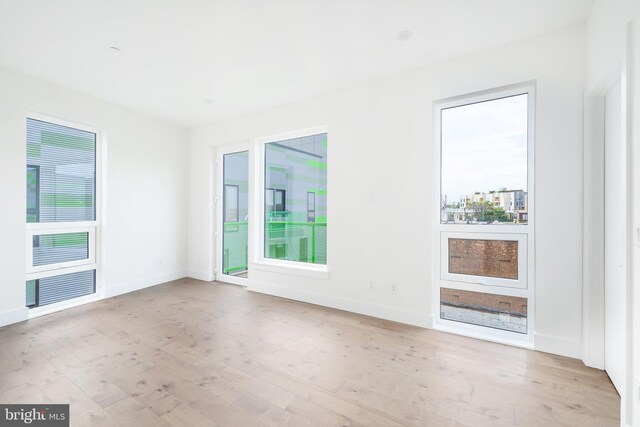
[[380, 184], [606, 37], [146, 203]]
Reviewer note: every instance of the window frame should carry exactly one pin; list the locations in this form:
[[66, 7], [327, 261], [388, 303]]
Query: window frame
[[259, 261], [522, 232], [92, 227], [33, 232]]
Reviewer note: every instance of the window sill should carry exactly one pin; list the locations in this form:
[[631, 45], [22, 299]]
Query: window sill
[[63, 305], [313, 271], [479, 332]]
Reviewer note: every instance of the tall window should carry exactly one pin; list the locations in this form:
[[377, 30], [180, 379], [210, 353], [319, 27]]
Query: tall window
[[60, 213], [295, 223], [485, 233]]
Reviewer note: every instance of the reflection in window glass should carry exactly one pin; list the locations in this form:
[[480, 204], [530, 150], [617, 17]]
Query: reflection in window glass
[[295, 168], [311, 207], [484, 162], [478, 308], [236, 210], [231, 202]]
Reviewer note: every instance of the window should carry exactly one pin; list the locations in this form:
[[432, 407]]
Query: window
[[295, 203], [275, 200], [489, 258], [60, 212], [483, 309], [485, 234], [279, 200], [484, 258], [484, 156], [311, 207], [59, 248]]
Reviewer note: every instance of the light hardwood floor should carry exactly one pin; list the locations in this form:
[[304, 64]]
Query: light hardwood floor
[[194, 353]]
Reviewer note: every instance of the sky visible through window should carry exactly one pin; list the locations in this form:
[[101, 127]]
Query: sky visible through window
[[484, 147]]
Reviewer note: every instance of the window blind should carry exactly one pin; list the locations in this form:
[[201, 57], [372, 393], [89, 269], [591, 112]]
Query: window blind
[[61, 187], [61, 173], [65, 286], [57, 248]]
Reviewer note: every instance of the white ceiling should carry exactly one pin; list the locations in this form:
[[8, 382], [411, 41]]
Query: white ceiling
[[194, 61]]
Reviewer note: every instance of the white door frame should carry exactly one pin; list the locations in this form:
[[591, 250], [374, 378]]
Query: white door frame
[[593, 218], [220, 152]]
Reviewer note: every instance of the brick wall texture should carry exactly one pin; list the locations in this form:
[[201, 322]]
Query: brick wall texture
[[485, 302], [490, 258]]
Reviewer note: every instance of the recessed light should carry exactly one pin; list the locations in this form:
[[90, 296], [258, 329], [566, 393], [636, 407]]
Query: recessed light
[[115, 49], [404, 35]]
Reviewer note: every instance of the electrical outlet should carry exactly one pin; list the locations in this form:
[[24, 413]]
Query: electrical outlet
[[371, 286], [394, 288]]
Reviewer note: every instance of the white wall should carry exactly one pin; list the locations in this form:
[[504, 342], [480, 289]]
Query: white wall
[[381, 187], [146, 203], [606, 37]]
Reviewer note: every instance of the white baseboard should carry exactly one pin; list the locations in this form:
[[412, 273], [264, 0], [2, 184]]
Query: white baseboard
[[201, 275], [14, 316], [557, 345], [395, 314], [112, 291]]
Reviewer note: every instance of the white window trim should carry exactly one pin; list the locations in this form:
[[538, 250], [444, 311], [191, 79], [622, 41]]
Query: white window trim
[[96, 259], [257, 213], [482, 285], [64, 305]]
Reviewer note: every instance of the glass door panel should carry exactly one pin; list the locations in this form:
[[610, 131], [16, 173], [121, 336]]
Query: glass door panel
[[235, 211]]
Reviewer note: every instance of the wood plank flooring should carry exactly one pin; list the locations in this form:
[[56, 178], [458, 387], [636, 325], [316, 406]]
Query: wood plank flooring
[[209, 354]]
